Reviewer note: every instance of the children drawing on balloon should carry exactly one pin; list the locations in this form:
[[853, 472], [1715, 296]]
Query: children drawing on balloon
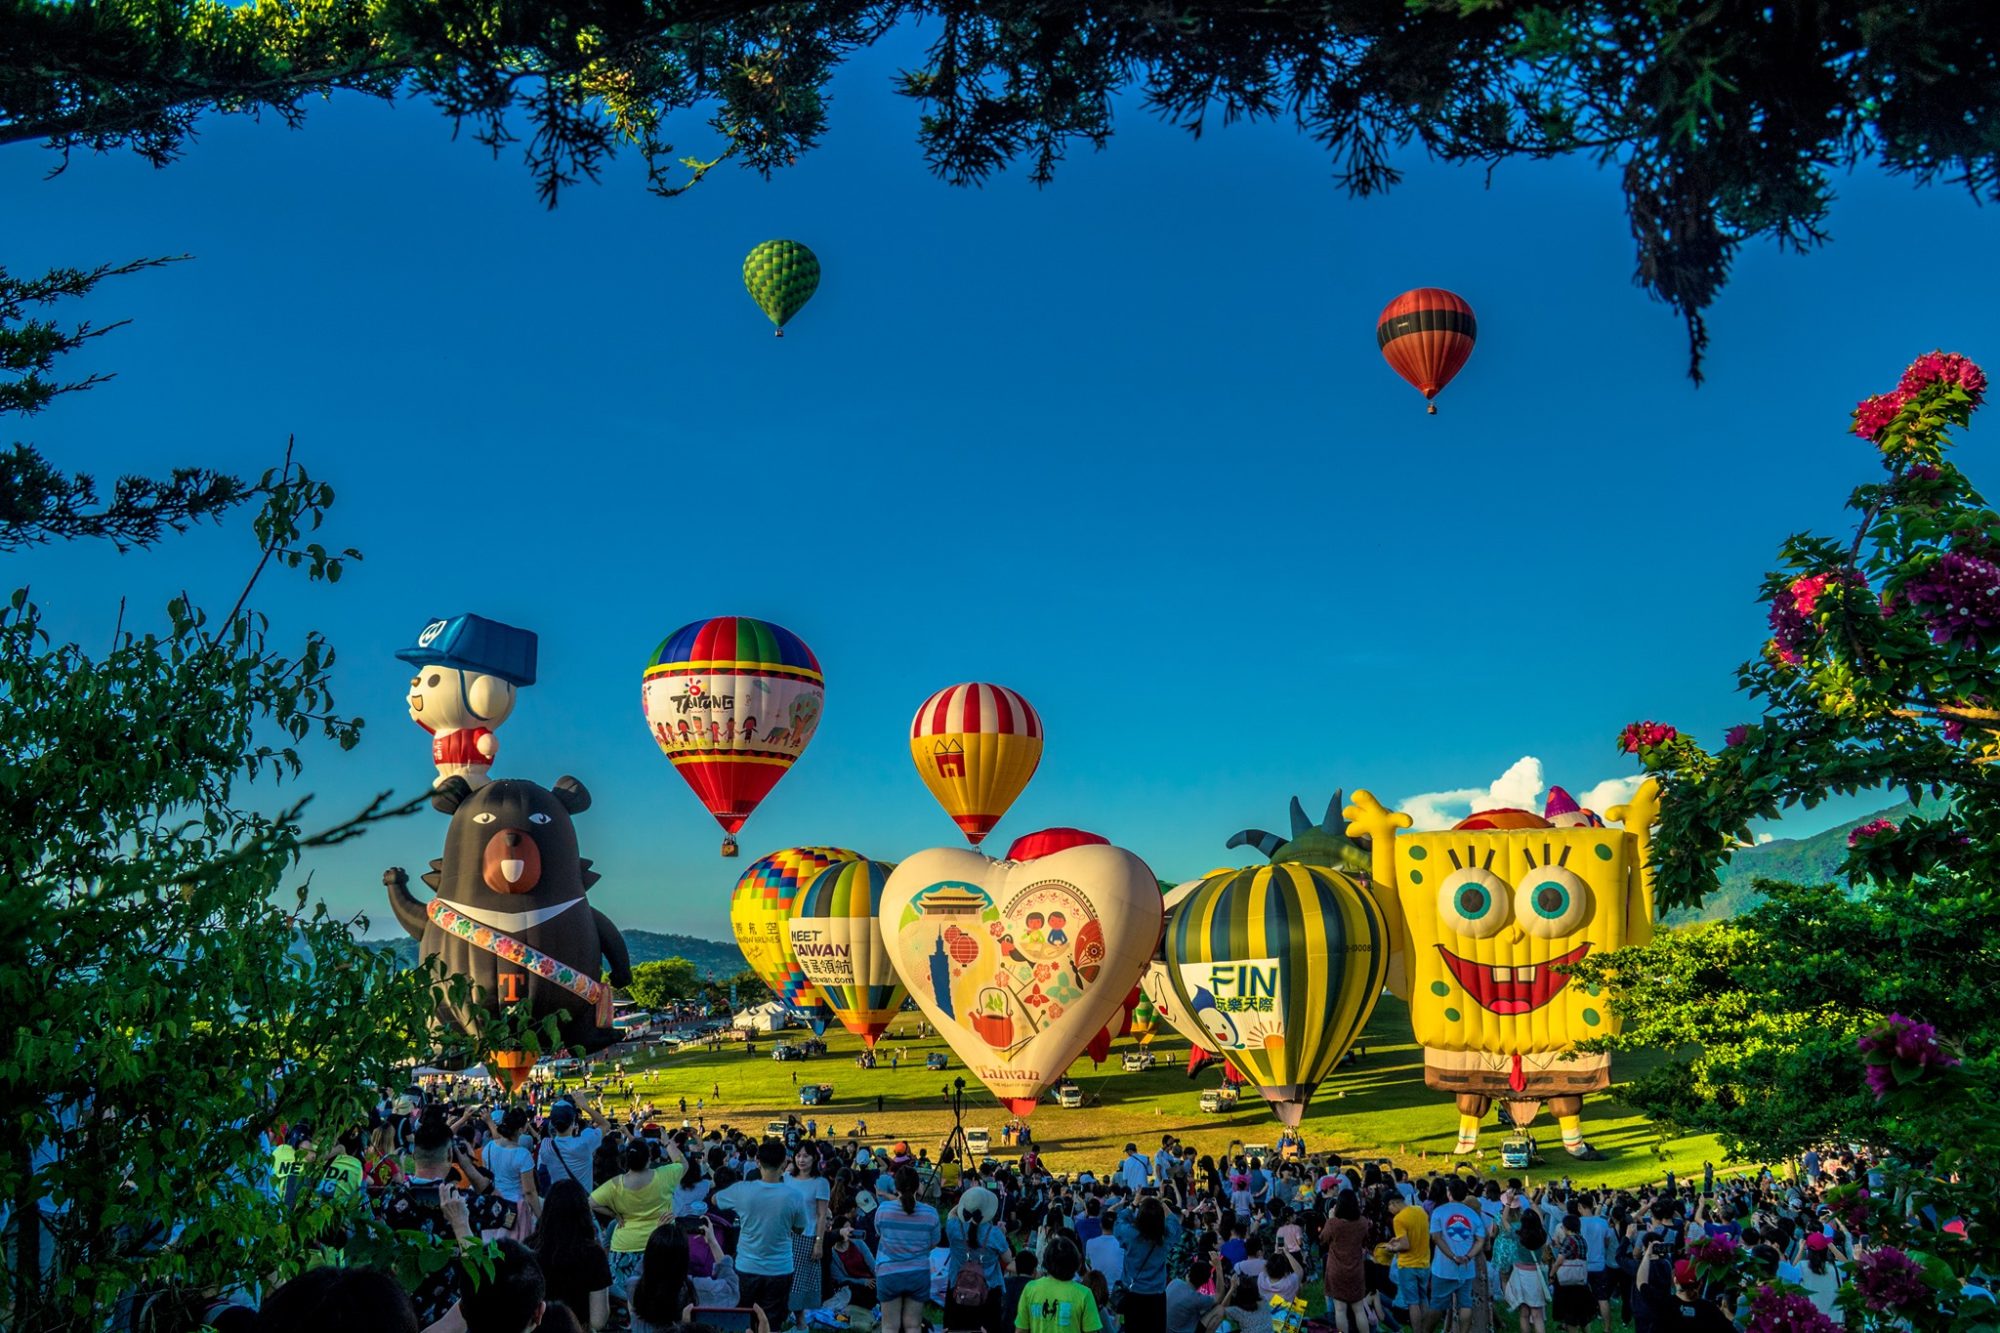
[[1058, 935]]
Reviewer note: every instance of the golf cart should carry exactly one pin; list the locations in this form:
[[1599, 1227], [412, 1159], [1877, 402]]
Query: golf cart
[[936, 1060], [1215, 1101], [815, 1094], [1137, 1060]]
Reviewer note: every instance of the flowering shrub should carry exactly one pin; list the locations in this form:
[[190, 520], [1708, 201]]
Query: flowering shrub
[[1639, 736], [1887, 1279], [1900, 1052], [1874, 828], [1775, 1310]]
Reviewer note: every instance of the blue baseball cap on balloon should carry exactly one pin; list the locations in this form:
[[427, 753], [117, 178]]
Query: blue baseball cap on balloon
[[474, 643]]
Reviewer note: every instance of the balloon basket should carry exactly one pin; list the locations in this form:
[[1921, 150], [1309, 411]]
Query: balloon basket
[[729, 847], [1432, 410]]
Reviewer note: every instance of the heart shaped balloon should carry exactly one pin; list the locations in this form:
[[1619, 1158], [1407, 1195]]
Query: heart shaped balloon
[[1044, 953]]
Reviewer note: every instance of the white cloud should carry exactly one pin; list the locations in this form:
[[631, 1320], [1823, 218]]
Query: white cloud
[[1763, 838], [1521, 787]]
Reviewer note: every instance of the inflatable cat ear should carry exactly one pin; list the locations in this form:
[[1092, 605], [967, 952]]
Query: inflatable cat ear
[[574, 797], [450, 794]]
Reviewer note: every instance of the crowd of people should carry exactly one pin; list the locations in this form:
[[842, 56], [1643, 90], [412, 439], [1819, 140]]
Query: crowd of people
[[591, 1224]]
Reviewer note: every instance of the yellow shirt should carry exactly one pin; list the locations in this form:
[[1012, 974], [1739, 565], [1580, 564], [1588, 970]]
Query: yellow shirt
[[1411, 1225], [640, 1210]]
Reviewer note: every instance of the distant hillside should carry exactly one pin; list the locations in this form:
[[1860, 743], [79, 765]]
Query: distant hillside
[[1814, 860], [715, 960]]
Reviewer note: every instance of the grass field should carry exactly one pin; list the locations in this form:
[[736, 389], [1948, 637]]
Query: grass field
[[1378, 1108]]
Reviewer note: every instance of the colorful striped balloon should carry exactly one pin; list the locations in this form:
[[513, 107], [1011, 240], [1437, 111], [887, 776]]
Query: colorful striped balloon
[[1282, 965], [976, 746], [733, 702], [1425, 336], [838, 943], [760, 912]]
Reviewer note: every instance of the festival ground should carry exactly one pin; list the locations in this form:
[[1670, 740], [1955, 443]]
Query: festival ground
[[1378, 1107]]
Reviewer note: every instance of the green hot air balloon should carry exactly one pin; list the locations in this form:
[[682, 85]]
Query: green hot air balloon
[[781, 277]]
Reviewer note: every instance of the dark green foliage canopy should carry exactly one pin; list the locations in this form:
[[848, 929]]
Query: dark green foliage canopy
[[1725, 119]]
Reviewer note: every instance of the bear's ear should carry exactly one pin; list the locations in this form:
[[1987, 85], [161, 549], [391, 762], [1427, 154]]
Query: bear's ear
[[572, 795], [450, 794]]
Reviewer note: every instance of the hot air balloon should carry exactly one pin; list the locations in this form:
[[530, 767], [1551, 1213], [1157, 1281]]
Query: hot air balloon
[[1425, 336], [733, 702], [760, 913], [781, 277], [1157, 986], [975, 746], [1020, 964], [1282, 964], [1145, 1021], [837, 941]]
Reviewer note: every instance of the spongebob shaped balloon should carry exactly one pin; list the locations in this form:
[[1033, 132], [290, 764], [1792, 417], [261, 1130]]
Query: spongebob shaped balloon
[[1491, 912]]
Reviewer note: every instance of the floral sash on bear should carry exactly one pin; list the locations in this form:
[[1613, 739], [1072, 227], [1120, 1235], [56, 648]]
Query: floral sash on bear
[[525, 956]]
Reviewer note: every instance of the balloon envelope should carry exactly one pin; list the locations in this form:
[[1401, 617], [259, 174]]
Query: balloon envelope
[[733, 702], [838, 943], [1019, 964], [760, 913], [1282, 964], [781, 276], [976, 746], [1425, 336], [1158, 987]]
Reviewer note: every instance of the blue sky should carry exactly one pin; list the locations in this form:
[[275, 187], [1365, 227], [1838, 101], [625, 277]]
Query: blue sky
[[1124, 444]]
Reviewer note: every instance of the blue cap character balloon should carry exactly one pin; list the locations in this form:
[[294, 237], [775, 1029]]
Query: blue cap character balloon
[[468, 671]]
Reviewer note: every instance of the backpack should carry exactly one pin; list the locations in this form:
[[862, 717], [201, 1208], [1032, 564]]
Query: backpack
[[969, 1287]]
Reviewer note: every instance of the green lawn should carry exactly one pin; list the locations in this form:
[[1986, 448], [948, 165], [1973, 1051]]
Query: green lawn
[[1379, 1107]]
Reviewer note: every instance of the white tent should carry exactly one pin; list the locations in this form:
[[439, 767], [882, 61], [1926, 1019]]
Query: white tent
[[767, 1017]]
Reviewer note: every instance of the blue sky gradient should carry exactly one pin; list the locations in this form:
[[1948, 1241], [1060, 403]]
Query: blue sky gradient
[[1124, 444]]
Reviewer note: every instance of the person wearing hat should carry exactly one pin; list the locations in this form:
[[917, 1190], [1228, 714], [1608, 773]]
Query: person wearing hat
[[469, 669], [1689, 1311], [1820, 1272]]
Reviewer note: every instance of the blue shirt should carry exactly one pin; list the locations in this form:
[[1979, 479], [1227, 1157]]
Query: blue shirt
[[991, 1240], [1456, 1225], [1145, 1260], [904, 1240], [1596, 1242], [770, 1212]]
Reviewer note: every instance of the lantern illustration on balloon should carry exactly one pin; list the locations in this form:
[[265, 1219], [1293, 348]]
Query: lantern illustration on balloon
[[837, 943], [976, 746], [760, 913], [1426, 335], [1281, 965], [733, 702]]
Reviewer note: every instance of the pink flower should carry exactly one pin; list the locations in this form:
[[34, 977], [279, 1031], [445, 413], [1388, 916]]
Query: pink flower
[[1774, 1311], [1735, 736], [1949, 368], [1901, 1043], [1793, 628], [1639, 736], [1958, 597], [1873, 414], [1874, 828], [1889, 1279]]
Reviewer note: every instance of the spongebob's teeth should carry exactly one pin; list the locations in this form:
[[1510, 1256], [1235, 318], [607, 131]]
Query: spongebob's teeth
[[1524, 974], [1503, 974]]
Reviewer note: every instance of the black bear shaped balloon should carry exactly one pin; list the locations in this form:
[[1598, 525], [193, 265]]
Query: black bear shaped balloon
[[511, 912]]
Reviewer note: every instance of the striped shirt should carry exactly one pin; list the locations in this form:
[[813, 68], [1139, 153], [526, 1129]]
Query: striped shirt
[[904, 1240]]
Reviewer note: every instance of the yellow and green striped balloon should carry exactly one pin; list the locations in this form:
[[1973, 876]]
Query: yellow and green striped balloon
[[1282, 965], [837, 937], [781, 277]]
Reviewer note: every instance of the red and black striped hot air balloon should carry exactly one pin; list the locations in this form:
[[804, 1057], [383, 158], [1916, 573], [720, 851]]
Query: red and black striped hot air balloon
[[1425, 336]]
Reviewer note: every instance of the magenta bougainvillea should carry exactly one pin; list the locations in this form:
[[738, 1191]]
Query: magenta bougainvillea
[[1775, 1311], [1874, 828], [1888, 1279], [1901, 1050], [1639, 736], [1958, 597], [1875, 413]]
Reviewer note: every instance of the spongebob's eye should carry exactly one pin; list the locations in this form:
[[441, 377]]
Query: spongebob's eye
[[1474, 902], [1552, 901], [483, 817], [538, 818]]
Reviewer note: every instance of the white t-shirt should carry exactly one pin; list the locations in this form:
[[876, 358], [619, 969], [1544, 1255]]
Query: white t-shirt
[[1105, 1255], [810, 1189], [505, 1162]]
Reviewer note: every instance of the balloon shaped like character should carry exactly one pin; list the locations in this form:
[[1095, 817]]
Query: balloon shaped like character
[[1493, 911], [733, 702], [510, 912], [1282, 964], [976, 746], [469, 669]]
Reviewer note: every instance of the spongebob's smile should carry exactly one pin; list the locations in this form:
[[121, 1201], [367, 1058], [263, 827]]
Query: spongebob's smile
[[1512, 990]]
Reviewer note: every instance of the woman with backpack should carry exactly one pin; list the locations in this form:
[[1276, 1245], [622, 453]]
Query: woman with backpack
[[1574, 1306], [977, 1266]]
